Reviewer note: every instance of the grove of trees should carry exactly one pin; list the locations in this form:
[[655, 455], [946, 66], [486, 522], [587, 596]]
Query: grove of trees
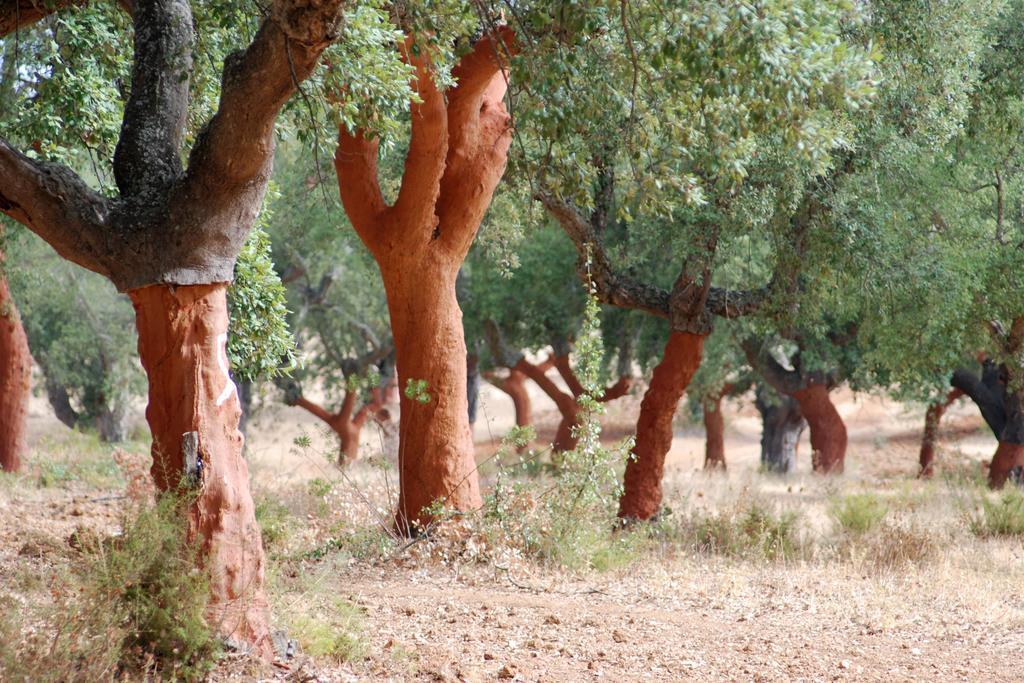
[[769, 201]]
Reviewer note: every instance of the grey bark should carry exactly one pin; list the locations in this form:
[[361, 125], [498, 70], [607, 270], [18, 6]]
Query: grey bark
[[781, 427]]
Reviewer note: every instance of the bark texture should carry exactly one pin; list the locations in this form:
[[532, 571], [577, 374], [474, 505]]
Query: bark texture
[[828, 432], [15, 376], [641, 496], [457, 154], [193, 413], [932, 419], [782, 423], [1000, 406]]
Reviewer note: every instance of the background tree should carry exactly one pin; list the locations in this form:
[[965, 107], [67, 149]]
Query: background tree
[[658, 164]]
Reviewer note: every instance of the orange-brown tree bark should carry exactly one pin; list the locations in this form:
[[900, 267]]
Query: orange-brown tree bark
[[457, 154], [642, 494], [515, 386], [929, 439], [828, 432], [193, 413], [15, 376], [714, 430], [567, 402], [347, 423]]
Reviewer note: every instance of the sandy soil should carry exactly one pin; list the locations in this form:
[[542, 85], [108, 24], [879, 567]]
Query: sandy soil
[[669, 618]]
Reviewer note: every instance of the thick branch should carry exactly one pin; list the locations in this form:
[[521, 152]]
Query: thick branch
[[727, 303], [147, 158], [989, 401], [568, 375], [355, 163], [428, 145], [565, 402], [19, 14], [237, 146], [617, 390], [594, 266], [53, 202], [782, 380], [500, 351], [315, 409]]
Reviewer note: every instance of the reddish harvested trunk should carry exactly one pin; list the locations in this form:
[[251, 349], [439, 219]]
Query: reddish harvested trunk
[[457, 154], [641, 496], [435, 452], [193, 413], [515, 386], [932, 419], [828, 433], [1008, 456], [347, 423], [15, 376], [714, 428]]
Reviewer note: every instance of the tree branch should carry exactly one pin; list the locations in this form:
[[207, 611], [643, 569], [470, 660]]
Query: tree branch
[[147, 157], [19, 14], [594, 267], [355, 163], [989, 403], [500, 351], [237, 145], [728, 303], [782, 380], [428, 144], [53, 202]]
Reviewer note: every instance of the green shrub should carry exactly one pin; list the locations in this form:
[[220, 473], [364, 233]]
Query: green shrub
[[752, 532], [337, 635], [133, 604], [275, 521], [1002, 516], [858, 513]]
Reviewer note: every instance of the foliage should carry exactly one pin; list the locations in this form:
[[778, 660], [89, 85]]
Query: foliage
[[748, 531], [260, 344], [336, 634], [858, 513], [999, 516]]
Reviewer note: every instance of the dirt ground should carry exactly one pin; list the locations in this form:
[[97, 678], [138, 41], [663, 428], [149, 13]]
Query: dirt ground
[[668, 617]]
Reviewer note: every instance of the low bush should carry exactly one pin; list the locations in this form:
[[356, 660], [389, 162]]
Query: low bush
[[1000, 516], [858, 513]]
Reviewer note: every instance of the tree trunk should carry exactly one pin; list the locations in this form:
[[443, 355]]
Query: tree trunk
[[714, 428], [515, 386], [60, 401], [641, 496], [15, 382], [565, 439], [245, 395], [112, 422], [193, 413], [472, 385], [781, 426], [1008, 456], [932, 418], [435, 445], [828, 433]]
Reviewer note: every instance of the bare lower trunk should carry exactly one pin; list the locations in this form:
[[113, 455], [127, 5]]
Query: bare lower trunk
[[193, 413], [15, 376], [472, 386], [828, 433], [641, 497], [714, 428], [60, 401], [565, 438], [932, 419], [515, 387], [782, 423], [1008, 457], [435, 452]]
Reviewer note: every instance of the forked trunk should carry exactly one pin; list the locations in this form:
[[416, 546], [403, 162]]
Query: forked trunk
[[435, 450], [349, 434], [828, 433], [568, 408], [932, 419], [193, 413], [641, 496], [15, 376], [782, 423], [515, 387], [714, 428]]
